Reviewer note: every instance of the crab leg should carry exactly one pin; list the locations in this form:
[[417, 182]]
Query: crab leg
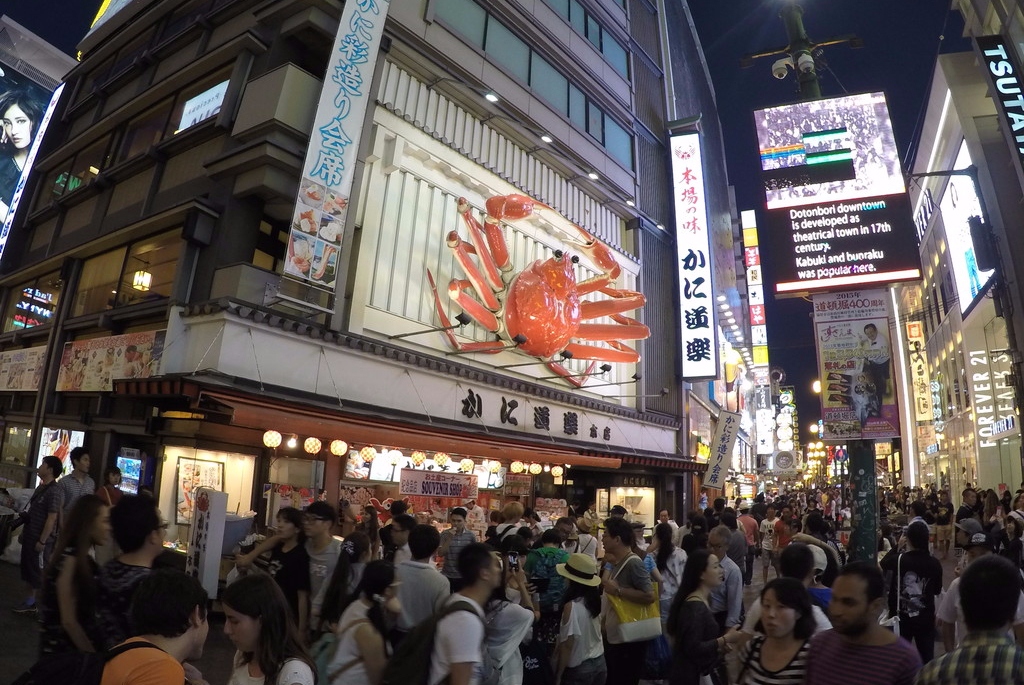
[[457, 291], [618, 353], [496, 345], [482, 237], [624, 301], [463, 251], [573, 379], [624, 328]]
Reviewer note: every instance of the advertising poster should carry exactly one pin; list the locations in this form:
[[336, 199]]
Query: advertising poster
[[518, 485], [721, 450], [59, 442], [94, 365], [917, 355], [314, 241], [22, 105], [858, 388], [438, 485], [22, 370], [192, 475], [206, 539], [837, 204], [959, 203]]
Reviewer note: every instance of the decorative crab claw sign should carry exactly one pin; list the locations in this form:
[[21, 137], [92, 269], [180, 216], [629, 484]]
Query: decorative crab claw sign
[[539, 311]]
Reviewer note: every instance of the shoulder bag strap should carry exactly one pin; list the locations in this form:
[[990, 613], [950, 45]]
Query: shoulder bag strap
[[624, 564], [126, 647], [899, 581], [334, 674]]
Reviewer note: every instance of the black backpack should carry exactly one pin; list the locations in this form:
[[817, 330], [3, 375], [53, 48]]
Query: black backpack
[[74, 668]]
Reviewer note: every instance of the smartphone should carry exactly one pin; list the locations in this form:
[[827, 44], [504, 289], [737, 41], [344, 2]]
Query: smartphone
[[513, 561], [540, 584]]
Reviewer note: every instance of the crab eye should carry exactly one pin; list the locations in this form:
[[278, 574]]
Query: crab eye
[[575, 259], [558, 254]]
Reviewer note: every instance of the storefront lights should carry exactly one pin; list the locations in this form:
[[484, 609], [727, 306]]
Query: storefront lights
[[272, 439], [142, 280], [339, 448], [292, 442], [395, 456], [535, 469], [312, 445], [367, 454], [557, 471], [418, 457], [441, 459], [517, 467], [547, 467], [466, 465], [495, 467]]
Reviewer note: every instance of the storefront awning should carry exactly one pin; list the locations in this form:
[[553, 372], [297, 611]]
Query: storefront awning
[[664, 463]]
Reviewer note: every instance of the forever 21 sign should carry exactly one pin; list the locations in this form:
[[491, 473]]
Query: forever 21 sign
[[1005, 78]]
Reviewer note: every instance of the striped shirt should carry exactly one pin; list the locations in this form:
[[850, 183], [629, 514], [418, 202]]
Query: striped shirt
[[72, 489], [983, 658], [754, 673], [834, 661], [459, 542]]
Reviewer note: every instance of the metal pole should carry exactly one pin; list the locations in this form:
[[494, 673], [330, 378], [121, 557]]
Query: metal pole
[[799, 49]]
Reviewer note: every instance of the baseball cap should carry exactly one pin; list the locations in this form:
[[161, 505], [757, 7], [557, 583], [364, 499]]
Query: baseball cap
[[820, 558], [979, 540], [970, 526], [618, 510], [744, 506]]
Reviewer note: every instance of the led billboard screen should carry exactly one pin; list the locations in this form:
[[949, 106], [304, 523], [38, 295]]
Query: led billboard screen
[[837, 205], [959, 204], [22, 105]]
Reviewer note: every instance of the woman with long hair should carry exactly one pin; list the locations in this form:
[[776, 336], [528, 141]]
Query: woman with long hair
[[579, 659], [1014, 550], [697, 538], [348, 572], [258, 622], [19, 119], [691, 628], [363, 650], [370, 526], [779, 653], [289, 564], [668, 561], [68, 607]]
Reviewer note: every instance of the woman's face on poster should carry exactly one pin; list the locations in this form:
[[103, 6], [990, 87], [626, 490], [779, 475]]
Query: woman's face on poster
[[17, 127]]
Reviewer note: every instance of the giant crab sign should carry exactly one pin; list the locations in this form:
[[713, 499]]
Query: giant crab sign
[[539, 311]]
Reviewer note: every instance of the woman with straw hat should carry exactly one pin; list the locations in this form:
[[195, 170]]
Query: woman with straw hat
[[579, 657]]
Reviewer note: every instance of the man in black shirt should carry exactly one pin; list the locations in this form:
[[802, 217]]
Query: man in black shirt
[[943, 512], [967, 509], [916, 584]]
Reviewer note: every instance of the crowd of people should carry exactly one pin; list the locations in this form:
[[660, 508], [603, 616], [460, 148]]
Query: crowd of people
[[574, 604]]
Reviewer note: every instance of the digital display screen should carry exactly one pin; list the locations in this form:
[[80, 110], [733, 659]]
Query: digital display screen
[[837, 204], [959, 204], [59, 442], [131, 473]]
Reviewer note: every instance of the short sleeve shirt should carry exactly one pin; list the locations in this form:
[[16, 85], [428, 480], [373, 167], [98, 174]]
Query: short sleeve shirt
[[115, 586], [143, 666], [72, 490], [768, 535], [291, 572], [459, 640], [45, 501]]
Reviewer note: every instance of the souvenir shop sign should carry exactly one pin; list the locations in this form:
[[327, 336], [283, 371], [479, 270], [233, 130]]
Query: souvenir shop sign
[[433, 484], [318, 221], [93, 365], [518, 485], [721, 449]]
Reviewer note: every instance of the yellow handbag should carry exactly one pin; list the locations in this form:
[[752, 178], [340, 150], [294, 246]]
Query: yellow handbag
[[637, 622]]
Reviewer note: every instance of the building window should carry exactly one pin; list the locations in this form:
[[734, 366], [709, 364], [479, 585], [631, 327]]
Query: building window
[[466, 17], [508, 50], [56, 183], [16, 445], [144, 131], [149, 270], [198, 103], [88, 163], [619, 142], [97, 287], [33, 303], [590, 28], [549, 83]]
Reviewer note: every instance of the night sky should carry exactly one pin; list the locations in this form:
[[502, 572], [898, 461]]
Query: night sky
[[902, 39], [901, 43]]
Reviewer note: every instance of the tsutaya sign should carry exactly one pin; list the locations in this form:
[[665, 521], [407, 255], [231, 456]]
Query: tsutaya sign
[[1005, 78], [693, 256], [314, 241]]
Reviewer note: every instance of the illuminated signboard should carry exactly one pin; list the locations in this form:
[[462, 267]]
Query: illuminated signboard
[[693, 251], [202, 107], [34, 308], [960, 203], [1004, 79], [837, 204]]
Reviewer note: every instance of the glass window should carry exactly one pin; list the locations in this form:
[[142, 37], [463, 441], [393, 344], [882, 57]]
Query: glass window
[[88, 163], [55, 184], [16, 444], [509, 51], [97, 287], [33, 303], [579, 17], [126, 56], [618, 142], [593, 32], [578, 107], [595, 122], [150, 268], [560, 6], [549, 83], [199, 103], [466, 17], [616, 55], [144, 130]]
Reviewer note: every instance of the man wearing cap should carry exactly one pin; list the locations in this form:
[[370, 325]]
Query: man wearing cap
[[916, 584], [950, 614], [964, 530], [748, 524], [617, 512]]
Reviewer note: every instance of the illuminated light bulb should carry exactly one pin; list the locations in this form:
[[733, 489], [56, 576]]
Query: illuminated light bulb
[[292, 442], [467, 465], [557, 471], [395, 456], [495, 467], [418, 457], [535, 469], [441, 458]]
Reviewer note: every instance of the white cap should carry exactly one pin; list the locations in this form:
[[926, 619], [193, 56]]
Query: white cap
[[820, 558]]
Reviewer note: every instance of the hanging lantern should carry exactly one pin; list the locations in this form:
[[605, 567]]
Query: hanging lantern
[[495, 467], [272, 439], [367, 454], [535, 469], [395, 456], [441, 459], [517, 467], [557, 471], [467, 465], [312, 445], [418, 457], [339, 448]]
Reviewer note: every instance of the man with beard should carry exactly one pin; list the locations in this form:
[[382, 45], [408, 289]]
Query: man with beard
[[859, 651]]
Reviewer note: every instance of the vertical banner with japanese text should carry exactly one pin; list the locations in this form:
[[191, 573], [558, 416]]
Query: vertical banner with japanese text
[[314, 241], [858, 394], [693, 252], [919, 383], [721, 450]]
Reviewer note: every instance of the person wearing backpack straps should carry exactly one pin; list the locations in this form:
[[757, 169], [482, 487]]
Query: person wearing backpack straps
[[169, 615], [362, 648]]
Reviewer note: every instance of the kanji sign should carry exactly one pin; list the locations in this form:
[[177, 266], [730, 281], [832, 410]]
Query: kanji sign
[[721, 450], [918, 363], [693, 249]]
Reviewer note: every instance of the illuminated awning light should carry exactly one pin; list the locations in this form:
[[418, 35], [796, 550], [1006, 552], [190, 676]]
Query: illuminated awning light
[[142, 280]]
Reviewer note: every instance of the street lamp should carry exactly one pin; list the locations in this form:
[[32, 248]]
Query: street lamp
[[816, 386]]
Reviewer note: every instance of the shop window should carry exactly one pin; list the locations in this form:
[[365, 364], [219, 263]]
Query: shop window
[[16, 445], [508, 50], [88, 164], [144, 131], [549, 83], [33, 303], [466, 17], [150, 268], [199, 102], [97, 287]]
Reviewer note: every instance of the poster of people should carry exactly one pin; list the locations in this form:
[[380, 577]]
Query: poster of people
[[22, 104], [94, 365], [192, 475], [858, 392], [59, 442], [22, 370]]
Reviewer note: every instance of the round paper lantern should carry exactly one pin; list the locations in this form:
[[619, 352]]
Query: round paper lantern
[[367, 454], [272, 439], [395, 456], [517, 467], [495, 467], [467, 465], [418, 457], [535, 469], [339, 448], [312, 445], [557, 471], [441, 459]]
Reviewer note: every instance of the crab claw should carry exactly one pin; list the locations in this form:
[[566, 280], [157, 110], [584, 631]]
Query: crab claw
[[511, 207]]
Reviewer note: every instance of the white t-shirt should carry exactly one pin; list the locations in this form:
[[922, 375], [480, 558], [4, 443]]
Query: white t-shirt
[[950, 612], [587, 631], [508, 624], [347, 652], [459, 640], [768, 534], [294, 672], [821, 621]]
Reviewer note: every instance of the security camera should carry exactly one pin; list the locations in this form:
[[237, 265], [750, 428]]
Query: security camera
[[780, 69], [805, 63]]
